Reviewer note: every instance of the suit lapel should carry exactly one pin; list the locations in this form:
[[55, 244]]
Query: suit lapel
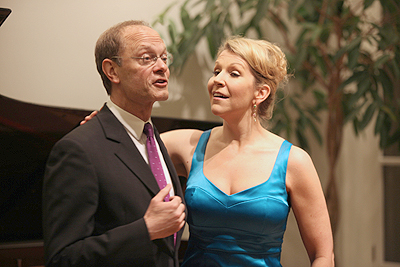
[[127, 152], [125, 149]]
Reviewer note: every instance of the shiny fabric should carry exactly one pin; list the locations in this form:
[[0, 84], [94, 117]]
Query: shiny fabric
[[243, 229]]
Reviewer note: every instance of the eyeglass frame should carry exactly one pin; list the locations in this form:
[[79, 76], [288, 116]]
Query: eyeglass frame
[[154, 59]]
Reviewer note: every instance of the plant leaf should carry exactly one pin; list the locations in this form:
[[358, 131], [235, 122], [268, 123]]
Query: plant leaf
[[367, 116]]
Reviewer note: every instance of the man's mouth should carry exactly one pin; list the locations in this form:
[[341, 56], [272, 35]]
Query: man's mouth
[[161, 82]]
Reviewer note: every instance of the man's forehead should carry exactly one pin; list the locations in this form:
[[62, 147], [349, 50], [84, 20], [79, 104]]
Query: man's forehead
[[141, 34], [142, 38]]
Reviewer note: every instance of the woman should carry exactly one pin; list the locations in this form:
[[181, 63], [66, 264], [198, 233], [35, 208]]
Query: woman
[[242, 179]]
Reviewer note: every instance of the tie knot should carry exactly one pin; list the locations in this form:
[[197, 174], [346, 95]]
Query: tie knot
[[148, 130]]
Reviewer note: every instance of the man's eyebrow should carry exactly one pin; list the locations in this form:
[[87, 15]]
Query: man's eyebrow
[[142, 48]]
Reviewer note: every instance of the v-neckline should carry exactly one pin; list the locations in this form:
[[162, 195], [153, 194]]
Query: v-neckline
[[244, 190]]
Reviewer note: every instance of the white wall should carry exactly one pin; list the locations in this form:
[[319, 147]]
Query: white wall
[[47, 55], [360, 186]]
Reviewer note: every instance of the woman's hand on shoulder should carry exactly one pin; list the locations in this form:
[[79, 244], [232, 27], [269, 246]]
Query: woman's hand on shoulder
[[89, 117], [181, 145], [309, 207]]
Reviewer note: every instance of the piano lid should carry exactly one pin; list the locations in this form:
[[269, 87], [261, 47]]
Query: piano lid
[[4, 13]]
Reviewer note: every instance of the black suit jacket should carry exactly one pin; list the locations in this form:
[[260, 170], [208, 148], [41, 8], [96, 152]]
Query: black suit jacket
[[96, 190]]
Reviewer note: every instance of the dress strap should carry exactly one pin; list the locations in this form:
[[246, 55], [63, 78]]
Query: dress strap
[[277, 178], [282, 160], [198, 156]]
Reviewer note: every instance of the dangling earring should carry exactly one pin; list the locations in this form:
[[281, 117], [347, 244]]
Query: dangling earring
[[254, 115]]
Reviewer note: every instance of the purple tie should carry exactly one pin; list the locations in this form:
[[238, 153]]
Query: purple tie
[[154, 159]]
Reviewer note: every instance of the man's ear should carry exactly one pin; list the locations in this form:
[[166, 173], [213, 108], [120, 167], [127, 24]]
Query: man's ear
[[109, 69], [262, 93]]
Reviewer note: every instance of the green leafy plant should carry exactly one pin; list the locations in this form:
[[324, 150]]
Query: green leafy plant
[[347, 63]]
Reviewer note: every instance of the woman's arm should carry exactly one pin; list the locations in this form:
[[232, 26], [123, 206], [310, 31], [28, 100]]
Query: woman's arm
[[309, 207], [181, 145], [89, 117]]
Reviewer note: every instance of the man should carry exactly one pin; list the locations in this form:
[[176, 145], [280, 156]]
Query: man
[[102, 205]]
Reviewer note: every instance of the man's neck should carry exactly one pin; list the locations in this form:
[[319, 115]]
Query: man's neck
[[143, 111]]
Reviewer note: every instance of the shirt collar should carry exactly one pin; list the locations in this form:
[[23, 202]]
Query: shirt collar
[[133, 124]]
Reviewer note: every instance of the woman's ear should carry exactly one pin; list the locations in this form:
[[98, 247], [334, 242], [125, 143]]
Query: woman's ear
[[109, 69], [262, 93]]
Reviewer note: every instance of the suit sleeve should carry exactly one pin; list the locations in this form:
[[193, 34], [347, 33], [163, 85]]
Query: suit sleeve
[[70, 201]]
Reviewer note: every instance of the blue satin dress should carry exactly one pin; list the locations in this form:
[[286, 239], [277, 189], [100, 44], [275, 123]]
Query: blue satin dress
[[243, 229]]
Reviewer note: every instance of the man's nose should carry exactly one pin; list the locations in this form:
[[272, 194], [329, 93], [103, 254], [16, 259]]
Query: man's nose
[[160, 65]]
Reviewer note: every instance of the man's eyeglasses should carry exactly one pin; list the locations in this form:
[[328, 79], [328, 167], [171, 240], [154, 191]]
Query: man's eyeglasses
[[149, 60]]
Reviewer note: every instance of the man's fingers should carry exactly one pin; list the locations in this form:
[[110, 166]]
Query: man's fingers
[[175, 199], [163, 193]]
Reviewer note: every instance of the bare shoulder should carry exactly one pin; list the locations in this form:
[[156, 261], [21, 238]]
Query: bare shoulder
[[300, 169], [181, 142], [299, 158], [185, 137], [181, 145]]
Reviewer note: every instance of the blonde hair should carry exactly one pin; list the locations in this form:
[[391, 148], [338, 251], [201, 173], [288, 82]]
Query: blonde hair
[[267, 62]]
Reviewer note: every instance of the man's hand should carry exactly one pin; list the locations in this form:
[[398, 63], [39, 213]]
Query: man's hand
[[89, 117], [164, 218]]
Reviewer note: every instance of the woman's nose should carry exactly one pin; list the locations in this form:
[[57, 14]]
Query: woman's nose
[[218, 79]]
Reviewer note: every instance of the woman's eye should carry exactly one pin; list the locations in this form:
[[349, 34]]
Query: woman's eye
[[235, 74], [216, 72]]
